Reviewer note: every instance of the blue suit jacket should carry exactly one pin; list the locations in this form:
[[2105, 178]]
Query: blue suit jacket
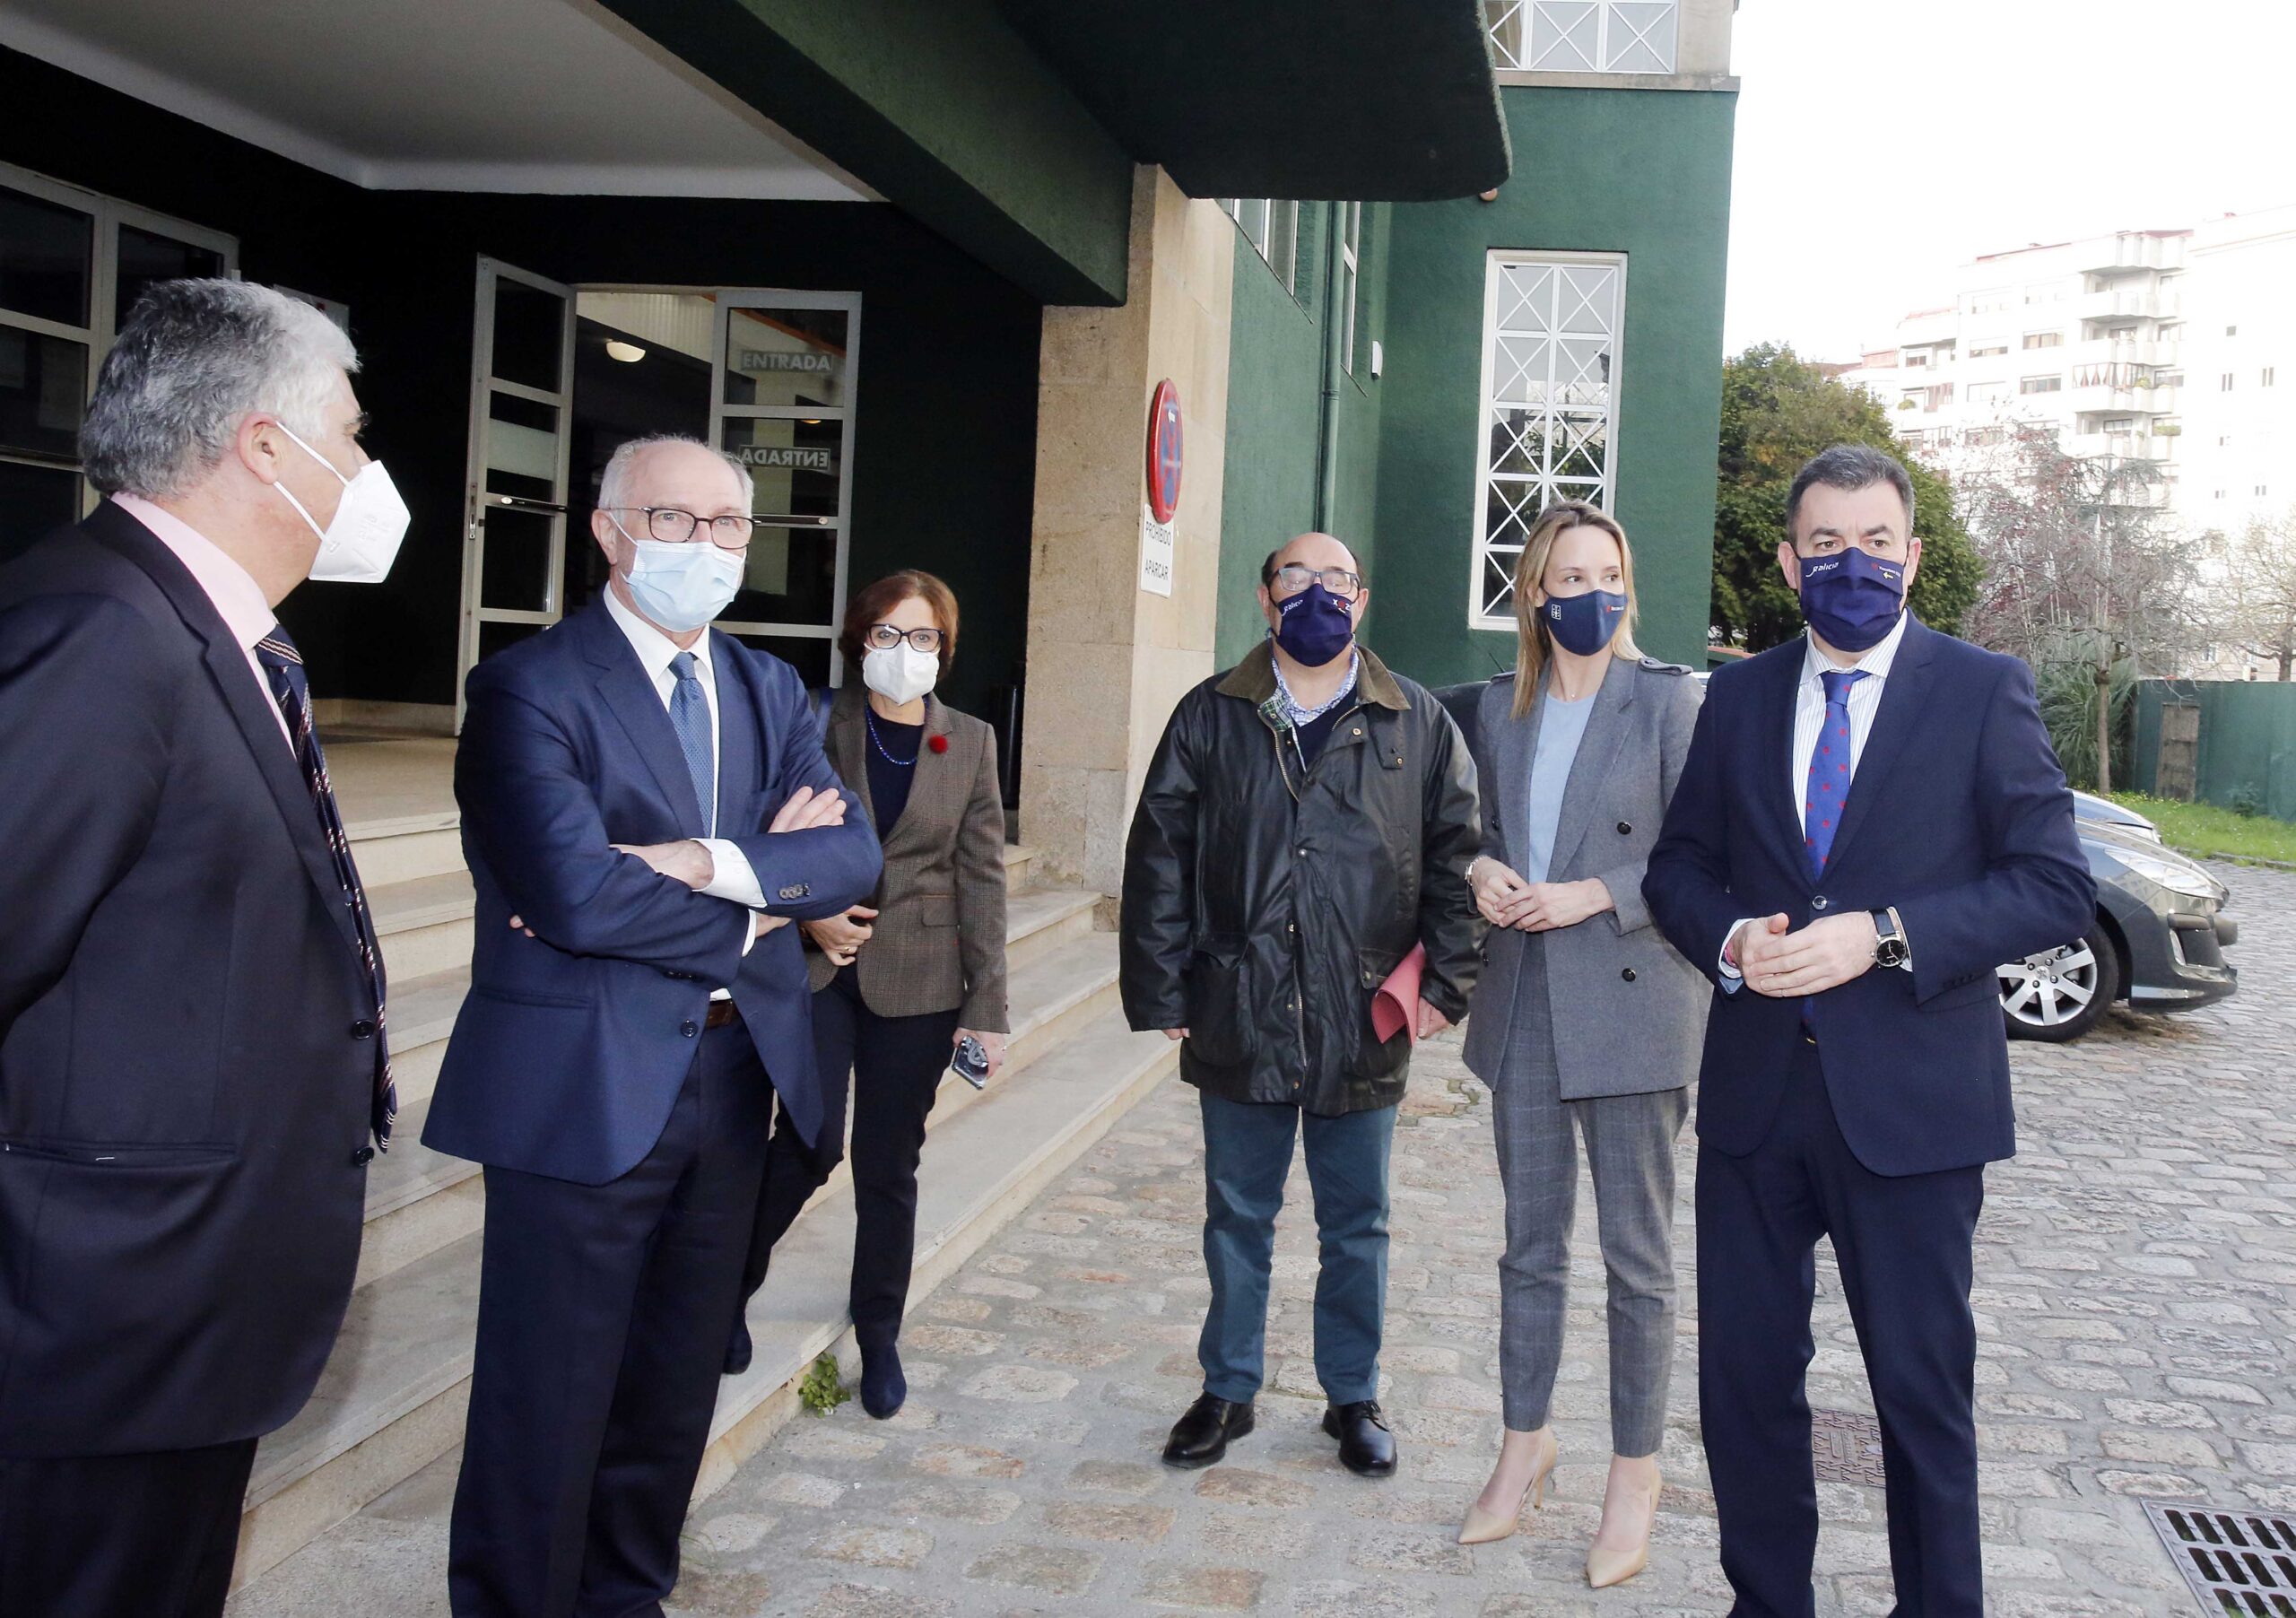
[[573, 1044], [1959, 817]]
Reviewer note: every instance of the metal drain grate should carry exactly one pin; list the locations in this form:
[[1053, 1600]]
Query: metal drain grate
[[2239, 1564], [1846, 1447]]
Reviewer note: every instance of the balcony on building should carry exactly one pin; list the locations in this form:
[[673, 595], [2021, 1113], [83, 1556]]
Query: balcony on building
[[2149, 301], [2132, 251], [2150, 446]]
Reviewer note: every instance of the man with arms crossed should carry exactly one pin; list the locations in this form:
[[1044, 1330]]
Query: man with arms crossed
[[192, 1040], [646, 808], [1870, 820]]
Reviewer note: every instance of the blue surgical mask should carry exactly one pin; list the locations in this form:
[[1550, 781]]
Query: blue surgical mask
[[1852, 599], [1584, 623], [681, 587], [1314, 626]]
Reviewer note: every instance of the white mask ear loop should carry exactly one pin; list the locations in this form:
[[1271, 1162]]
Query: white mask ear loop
[[323, 461]]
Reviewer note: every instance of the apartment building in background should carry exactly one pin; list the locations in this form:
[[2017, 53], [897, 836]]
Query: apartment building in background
[[2082, 337], [2163, 352]]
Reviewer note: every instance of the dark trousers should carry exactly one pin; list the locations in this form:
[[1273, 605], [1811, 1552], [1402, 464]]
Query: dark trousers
[[896, 1064], [601, 1331], [122, 1535], [1246, 1155], [1903, 1244]]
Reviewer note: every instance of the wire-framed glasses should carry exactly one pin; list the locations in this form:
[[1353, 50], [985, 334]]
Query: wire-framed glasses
[[884, 637], [1291, 578], [674, 526]]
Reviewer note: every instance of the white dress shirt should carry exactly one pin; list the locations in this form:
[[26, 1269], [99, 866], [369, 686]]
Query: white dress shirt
[[230, 589], [1863, 701], [733, 878]]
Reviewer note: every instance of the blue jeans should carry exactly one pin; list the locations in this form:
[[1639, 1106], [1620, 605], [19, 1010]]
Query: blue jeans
[[1246, 1155]]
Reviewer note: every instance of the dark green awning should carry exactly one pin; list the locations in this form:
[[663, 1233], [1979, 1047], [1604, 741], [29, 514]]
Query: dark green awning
[[1371, 100]]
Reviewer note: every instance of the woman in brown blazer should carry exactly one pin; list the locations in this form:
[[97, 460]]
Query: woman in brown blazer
[[900, 982]]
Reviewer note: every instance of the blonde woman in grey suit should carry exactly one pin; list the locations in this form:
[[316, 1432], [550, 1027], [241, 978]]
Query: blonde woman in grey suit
[[1586, 1024]]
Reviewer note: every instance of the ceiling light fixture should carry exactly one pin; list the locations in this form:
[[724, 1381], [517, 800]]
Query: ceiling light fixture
[[629, 354]]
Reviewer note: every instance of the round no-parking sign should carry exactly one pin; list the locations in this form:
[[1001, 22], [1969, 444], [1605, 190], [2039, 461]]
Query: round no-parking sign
[[1164, 451]]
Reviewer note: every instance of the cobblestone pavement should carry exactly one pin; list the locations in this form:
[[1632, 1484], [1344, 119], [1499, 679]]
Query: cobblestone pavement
[[2136, 1299]]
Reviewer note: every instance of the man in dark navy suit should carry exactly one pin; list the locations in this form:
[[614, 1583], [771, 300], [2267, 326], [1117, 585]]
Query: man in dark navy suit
[[1870, 820], [646, 808], [192, 1044]]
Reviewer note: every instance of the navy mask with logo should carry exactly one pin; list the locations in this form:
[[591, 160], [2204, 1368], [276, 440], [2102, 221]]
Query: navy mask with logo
[[1852, 599], [1314, 626], [1584, 623]]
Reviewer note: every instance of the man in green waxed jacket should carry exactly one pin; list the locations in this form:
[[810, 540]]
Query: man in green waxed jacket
[[1307, 822]]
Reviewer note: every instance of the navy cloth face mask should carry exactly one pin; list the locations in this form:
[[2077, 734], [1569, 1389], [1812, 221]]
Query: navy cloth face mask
[[1584, 623], [1851, 599], [1314, 626]]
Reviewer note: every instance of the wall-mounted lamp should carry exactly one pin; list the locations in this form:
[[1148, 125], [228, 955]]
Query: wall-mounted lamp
[[629, 354]]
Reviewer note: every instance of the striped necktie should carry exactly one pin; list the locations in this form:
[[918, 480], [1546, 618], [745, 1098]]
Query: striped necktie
[[285, 665]]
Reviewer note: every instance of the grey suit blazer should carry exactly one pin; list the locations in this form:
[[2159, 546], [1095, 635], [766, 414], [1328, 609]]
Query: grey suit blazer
[[938, 940], [1629, 1012]]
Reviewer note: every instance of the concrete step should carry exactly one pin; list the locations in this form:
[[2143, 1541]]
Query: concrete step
[[423, 922], [393, 1395], [419, 1200], [386, 854]]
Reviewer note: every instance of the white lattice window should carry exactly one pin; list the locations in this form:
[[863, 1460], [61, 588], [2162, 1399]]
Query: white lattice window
[[1584, 35], [1550, 323], [1272, 225]]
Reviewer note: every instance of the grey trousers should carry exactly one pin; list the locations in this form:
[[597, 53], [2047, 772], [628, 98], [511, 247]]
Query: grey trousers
[[1630, 1152]]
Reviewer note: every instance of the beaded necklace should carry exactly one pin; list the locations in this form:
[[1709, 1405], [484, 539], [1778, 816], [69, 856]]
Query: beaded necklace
[[878, 742]]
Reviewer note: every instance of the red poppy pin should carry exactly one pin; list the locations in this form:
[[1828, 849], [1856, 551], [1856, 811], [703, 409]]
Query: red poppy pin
[[937, 743]]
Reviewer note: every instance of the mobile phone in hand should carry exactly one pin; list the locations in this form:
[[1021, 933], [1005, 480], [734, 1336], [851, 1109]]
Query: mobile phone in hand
[[970, 1063]]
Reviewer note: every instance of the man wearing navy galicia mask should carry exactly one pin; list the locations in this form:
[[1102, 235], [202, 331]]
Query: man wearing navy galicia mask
[[1870, 820], [1306, 825]]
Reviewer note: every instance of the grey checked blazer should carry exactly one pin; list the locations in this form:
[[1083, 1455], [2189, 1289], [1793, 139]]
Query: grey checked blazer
[[939, 937], [1629, 1012]]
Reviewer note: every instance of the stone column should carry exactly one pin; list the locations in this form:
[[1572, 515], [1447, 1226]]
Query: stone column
[[1107, 660]]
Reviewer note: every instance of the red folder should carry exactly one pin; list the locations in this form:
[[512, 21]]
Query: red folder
[[1395, 1004]]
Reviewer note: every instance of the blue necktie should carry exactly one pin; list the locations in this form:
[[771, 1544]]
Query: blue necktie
[[1829, 786], [690, 712], [285, 665]]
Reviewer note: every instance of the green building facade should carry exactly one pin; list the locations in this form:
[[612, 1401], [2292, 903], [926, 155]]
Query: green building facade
[[1481, 406]]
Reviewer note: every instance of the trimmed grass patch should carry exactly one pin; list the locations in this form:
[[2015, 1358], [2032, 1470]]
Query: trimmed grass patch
[[2204, 829]]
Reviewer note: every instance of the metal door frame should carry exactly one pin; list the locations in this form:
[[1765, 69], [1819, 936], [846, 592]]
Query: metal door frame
[[733, 298], [483, 383]]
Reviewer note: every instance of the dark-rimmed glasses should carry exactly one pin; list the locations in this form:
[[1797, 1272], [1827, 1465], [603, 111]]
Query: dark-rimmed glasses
[[1291, 578], [884, 637], [674, 526]]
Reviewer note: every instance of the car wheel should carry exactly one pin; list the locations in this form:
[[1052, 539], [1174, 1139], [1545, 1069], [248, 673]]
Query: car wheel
[[2060, 994]]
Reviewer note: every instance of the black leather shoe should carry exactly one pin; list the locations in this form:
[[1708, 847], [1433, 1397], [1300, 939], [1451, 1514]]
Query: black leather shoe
[[1366, 1447], [1201, 1437], [738, 1351], [884, 1390]]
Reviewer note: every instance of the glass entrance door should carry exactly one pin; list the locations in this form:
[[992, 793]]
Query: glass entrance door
[[522, 381], [786, 368]]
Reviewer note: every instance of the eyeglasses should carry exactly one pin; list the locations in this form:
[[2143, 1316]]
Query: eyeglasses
[[675, 526], [1291, 578], [884, 637]]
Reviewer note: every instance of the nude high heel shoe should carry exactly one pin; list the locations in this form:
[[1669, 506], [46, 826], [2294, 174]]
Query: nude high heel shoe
[[1606, 1567], [1482, 1527]]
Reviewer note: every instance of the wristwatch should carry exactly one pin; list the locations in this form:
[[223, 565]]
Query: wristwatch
[[1890, 947]]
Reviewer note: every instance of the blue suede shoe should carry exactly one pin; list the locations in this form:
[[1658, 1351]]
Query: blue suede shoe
[[883, 1389]]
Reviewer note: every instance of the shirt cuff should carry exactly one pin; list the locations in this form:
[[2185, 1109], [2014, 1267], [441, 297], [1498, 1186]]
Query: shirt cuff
[[1732, 978], [734, 877]]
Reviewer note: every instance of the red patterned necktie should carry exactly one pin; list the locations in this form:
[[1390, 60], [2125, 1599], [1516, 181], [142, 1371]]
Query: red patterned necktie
[[285, 665]]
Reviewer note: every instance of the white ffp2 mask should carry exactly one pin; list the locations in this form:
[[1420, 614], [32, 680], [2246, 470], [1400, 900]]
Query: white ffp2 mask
[[899, 674], [370, 520]]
